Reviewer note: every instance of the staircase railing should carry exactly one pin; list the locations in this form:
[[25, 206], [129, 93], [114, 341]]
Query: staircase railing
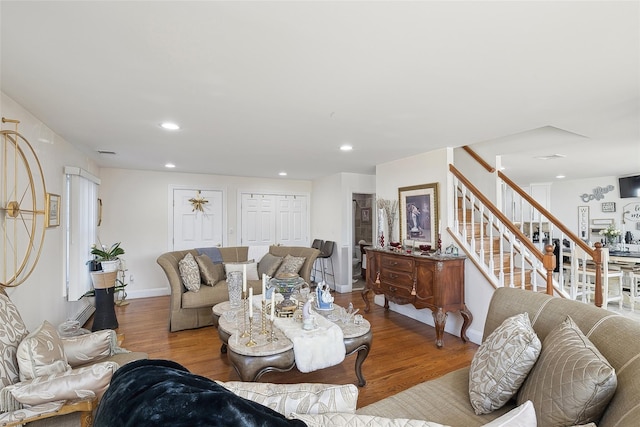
[[512, 225], [504, 255]]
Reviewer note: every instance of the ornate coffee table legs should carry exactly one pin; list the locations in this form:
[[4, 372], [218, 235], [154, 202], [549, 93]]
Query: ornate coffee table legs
[[361, 345]]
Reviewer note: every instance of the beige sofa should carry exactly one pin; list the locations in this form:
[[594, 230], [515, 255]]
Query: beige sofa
[[193, 309], [446, 400]]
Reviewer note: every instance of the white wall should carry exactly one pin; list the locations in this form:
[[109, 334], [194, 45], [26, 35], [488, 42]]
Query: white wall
[[566, 197], [332, 218], [136, 209], [40, 297]]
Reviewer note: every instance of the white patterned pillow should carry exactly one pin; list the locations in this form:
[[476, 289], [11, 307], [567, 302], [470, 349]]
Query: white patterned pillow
[[572, 382], [82, 349], [357, 420], [41, 353], [12, 331], [290, 265], [189, 273], [502, 363], [307, 398]]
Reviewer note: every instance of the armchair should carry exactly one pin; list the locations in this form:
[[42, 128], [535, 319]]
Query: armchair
[[43, 375]]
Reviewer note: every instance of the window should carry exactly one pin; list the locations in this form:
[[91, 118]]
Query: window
[[82, 222]]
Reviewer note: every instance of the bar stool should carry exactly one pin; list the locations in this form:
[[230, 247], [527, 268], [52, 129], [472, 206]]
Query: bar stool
[[325, 257], [317, 244]]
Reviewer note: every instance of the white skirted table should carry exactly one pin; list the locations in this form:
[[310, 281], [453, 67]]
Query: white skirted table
[[251, 362]]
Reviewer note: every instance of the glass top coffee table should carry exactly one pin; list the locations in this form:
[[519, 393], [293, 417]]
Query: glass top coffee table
[[267, 356]]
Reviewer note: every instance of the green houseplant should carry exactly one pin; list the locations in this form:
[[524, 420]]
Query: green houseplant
[[102, 254]]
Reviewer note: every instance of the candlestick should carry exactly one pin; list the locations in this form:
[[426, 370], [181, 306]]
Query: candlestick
[[263, 318], [264, 287], [273, 337], [250, 304], [244, 277], [251, 342], [244, 315]]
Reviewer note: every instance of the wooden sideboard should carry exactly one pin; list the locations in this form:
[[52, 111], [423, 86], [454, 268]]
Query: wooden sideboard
[[426, 281]]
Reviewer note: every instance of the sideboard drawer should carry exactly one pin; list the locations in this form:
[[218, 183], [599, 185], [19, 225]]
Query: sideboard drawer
[[397, 278], [397, 293], [400, 263]]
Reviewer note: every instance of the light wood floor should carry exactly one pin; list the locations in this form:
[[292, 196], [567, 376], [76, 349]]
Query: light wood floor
[[403, 352]]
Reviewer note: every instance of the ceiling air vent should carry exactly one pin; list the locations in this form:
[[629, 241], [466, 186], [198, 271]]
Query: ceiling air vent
[[550, 157], [107, 152]]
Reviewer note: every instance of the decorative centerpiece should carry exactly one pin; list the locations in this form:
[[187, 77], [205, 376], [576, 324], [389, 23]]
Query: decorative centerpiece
[[611, 234], [285, 284]]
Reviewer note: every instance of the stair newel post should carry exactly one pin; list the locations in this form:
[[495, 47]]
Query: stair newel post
[[597, 259], [549, 264]]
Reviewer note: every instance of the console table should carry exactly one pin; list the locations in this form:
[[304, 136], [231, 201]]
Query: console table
[[426, 281]]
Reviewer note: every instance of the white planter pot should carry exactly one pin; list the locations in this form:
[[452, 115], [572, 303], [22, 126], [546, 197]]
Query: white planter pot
[[108, 266]]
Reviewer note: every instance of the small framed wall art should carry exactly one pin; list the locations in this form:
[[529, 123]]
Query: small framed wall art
[[419, 221], [608, 207], [52, 210]]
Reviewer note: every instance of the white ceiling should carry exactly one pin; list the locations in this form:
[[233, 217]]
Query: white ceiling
[[261, 87]]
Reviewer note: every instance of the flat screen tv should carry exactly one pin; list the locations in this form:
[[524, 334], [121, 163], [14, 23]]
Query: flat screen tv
[[629, 186]]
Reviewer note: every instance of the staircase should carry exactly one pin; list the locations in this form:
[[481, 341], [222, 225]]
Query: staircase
[[497, 244]]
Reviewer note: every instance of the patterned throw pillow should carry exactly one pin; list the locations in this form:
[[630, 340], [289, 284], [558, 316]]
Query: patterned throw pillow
[[290, 265], [211, 273], [269, 264], [308, 398], [252, 268], [41, 353], [357, 420], [502, 363], [189, 273], [572, 383], [12, 331]]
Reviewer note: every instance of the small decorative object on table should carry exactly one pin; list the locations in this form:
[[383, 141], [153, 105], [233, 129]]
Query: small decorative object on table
[[325, 300], [285, 284]]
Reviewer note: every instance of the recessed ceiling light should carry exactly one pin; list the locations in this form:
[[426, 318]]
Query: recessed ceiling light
[[560, 176], [346, 147], [170, 165], [169, 126], [283, 173]]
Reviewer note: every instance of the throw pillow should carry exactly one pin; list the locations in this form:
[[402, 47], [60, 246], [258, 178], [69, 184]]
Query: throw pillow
[[82, 349], [572, 382], [252, 268], [12, 331], [211, 273], [308, 398], [502, 363], [357, 420], [189, 273], [73, 384], [41, 353], [269, 264], [521, 416], [290, 265]]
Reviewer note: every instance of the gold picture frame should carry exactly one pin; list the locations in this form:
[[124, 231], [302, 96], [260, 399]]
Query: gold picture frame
[[419, 215], [52, 210]]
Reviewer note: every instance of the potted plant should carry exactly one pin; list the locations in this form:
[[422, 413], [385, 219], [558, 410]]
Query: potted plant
[[108, 258]]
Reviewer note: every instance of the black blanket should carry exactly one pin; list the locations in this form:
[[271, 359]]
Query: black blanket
[[164, 393]]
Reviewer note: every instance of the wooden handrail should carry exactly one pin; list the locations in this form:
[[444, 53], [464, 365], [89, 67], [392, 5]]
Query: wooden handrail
[[556, 222], [479, 159], [501, 217]]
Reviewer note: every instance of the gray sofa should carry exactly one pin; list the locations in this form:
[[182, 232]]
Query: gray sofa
[[193, 309], [445, 400]]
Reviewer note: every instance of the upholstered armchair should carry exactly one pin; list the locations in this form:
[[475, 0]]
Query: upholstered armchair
[[43, 375]]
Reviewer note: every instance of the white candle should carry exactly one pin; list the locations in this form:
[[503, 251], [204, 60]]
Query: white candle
[[244, 277], [264, 287], [439, 227], [250, 302], [273, 303]]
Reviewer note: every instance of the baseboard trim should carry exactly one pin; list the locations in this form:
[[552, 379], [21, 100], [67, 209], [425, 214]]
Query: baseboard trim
[[147, 293]]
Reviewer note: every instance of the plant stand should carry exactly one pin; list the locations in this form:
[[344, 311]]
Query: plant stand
[[105, 315]]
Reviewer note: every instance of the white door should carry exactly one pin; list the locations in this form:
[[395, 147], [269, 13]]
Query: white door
[[193, 228], [292, 221], [268, 219], [258, 220]]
